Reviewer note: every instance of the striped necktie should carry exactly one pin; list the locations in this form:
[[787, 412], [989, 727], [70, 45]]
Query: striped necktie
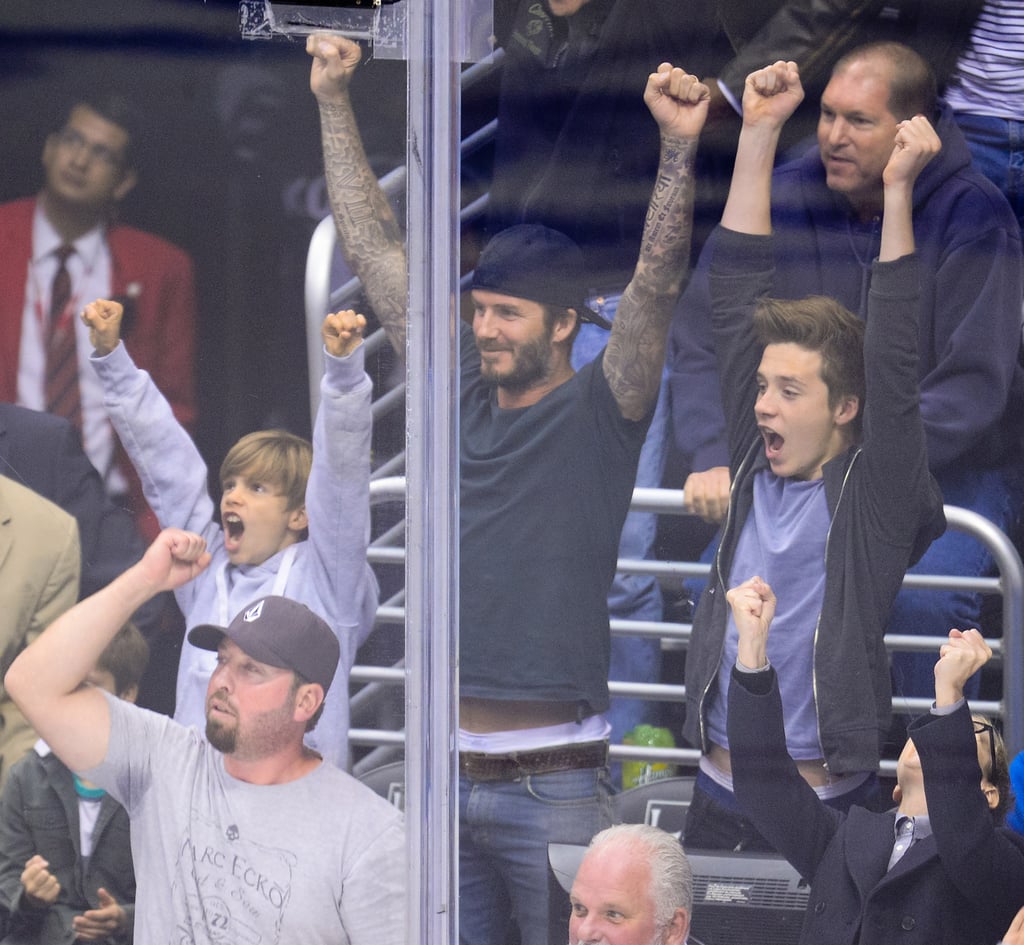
[[63, 396]]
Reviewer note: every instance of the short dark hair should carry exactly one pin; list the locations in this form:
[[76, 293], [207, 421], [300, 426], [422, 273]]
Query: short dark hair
[[112, 106], [125, 658], [912, 86], [819, 323], [552, 313]]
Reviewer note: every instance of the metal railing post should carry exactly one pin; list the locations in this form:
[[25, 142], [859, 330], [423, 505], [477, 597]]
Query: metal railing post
[[431, 632]]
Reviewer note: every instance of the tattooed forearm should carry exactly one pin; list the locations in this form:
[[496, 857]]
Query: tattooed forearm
[[635, 354], [368, 233]]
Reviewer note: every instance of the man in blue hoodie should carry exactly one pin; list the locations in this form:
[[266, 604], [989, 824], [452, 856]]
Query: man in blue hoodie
[[826, 220]]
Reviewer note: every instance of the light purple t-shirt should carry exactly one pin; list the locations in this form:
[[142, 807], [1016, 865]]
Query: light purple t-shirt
[[782, 541]]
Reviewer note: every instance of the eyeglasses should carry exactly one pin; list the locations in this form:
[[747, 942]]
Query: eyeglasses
[[981, 728], [71, 140]]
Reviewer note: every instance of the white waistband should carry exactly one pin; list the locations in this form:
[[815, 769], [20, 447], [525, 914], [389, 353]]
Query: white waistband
[[591, 729], [835, 788]]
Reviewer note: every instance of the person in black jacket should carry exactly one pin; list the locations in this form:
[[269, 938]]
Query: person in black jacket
[[832, 494], [939, 868], [44, 453], [66, 871]]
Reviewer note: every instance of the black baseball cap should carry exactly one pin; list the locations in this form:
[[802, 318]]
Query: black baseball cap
[[530, 261], [280, 632]]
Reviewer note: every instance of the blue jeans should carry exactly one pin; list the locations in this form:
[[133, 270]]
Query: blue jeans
[[997, 148], [998, 494], [504, 831], [632, 597]]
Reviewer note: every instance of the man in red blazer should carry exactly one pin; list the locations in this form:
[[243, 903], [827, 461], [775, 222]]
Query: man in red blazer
[[88, 171]]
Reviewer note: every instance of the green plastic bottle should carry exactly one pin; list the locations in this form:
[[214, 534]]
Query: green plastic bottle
[[635, 773]]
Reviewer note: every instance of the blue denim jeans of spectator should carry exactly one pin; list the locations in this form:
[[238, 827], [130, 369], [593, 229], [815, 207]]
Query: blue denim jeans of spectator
[[632, 597], [997, 148], [998, 494], [504, 831]]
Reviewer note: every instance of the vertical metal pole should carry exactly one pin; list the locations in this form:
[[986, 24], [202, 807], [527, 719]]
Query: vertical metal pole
[[432, 472]]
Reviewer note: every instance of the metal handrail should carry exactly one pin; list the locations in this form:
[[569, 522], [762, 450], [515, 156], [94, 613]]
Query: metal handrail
[[1008, 584]]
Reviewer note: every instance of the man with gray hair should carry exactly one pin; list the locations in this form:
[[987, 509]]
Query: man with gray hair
[[633, 887]]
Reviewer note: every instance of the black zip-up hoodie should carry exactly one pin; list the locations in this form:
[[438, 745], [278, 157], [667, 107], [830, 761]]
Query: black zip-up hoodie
[[885, 507]]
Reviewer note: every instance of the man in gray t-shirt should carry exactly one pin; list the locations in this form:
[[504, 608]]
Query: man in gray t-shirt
[[247, 835]]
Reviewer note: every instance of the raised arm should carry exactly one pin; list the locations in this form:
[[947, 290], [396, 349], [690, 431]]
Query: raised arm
[[985, 861], [740, 258], [338, 509], [368, 233], [894, 442], [770, 96], [103, 318], [916, 144], [342, 332], [45, 681], [635, 355], [768, 784], [169, 466], [960, 657]]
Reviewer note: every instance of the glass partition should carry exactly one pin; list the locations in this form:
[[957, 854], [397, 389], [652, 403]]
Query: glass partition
[[230, 169], [433, 469]]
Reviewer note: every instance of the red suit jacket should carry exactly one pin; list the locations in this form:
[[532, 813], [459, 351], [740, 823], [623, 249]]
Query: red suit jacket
[[159, 329]]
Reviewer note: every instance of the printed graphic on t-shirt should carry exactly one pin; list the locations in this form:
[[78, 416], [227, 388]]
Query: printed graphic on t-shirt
[[235, 889]]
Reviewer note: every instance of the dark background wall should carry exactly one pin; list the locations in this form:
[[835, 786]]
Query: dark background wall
[[229, 168]]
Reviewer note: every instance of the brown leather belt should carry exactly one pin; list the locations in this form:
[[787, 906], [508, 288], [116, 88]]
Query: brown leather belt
[[479, 766]]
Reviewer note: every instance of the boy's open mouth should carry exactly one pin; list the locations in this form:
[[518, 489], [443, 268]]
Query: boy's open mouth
[[234, 526], [772, 442]]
